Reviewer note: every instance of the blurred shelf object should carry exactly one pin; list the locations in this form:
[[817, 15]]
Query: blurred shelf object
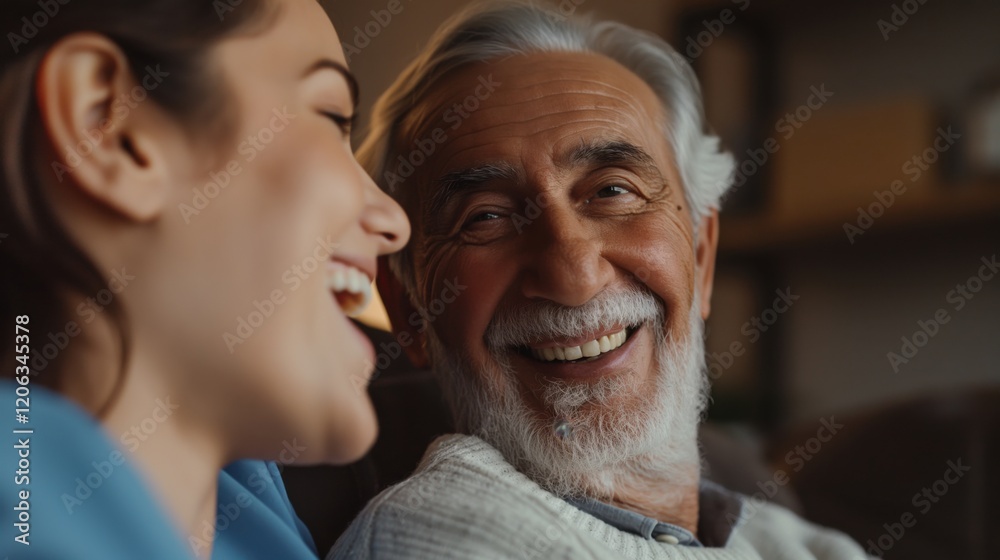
[[983, 124], [734, 58], [858, 168], [895, 78], [945, 206]]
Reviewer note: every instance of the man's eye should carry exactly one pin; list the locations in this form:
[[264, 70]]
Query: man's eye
[[483, 217], [483, 227], [611, 190]]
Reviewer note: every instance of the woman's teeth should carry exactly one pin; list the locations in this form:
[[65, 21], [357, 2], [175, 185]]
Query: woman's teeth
[[587, 350], [351, 287]]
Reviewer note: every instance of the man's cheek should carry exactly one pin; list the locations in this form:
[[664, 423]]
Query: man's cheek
[[669, 278], [441, 307], [460, 315]]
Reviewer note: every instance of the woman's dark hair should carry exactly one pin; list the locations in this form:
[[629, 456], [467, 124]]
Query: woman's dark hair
[[43, 271]]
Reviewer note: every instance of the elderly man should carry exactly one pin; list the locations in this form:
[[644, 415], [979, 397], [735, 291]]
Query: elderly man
[[563, 195]]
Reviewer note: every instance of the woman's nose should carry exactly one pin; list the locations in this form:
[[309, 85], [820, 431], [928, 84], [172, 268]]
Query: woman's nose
[[385, 219]]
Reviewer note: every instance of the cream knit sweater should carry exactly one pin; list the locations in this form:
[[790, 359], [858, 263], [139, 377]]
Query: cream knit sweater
[[466, 502]]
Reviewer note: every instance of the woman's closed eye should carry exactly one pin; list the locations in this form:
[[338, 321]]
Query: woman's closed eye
[[346, 124]]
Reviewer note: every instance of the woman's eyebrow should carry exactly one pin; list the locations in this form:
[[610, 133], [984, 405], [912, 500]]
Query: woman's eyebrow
[[330, 64]]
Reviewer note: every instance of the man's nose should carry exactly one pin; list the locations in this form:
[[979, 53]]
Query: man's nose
[[566, 263]]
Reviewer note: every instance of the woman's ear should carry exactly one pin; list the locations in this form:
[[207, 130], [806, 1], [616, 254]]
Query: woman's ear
[[708, 241], [102, 127], [401, 312]]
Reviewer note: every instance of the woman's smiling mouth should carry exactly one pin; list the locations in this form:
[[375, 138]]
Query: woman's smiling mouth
[[350, 286]]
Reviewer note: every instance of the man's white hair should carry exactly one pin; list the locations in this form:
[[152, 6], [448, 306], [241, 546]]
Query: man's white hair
[[488, 31]]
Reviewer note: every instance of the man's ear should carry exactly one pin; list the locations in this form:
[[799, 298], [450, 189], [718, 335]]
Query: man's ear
[[705, 251], [104, 143], [400, 310]]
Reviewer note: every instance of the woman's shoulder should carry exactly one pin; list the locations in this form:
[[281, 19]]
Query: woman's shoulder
[[255, 517], [73, 490], [76, 495]]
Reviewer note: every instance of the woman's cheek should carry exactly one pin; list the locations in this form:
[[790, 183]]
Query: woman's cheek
[[325, 181]]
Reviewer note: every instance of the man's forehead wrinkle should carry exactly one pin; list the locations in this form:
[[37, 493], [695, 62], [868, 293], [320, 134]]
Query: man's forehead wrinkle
[[566, 105], [456, 152], [513, 133], [519, 160], [436, 103], [594, 81], [471, 134], [579, 85], [447, 94], [501, 117], [535, 118]]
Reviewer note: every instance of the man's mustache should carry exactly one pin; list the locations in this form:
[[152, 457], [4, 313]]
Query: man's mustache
[[520, 325]]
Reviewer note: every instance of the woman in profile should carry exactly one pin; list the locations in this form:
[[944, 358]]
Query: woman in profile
[[184, 234]]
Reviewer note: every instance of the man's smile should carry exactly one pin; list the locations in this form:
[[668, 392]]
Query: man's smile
[[621, 355], [583, 348]]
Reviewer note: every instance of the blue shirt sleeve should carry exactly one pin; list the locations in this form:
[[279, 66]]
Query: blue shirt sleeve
[[255, 518], [79, 498]]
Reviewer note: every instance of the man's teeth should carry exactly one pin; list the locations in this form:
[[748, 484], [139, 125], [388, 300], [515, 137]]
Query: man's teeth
[[351, 287], [587, 350]]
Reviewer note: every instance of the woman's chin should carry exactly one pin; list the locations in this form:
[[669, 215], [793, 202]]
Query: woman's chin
[[325, 400], [351, 432], [351, 447]]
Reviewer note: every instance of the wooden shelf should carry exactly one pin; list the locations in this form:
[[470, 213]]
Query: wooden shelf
[[938, 207]]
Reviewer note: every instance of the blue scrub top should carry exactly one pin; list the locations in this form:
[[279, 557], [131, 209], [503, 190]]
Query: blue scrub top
[[84, 500]]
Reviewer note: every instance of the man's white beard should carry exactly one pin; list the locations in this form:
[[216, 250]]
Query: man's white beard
[[625, 433]]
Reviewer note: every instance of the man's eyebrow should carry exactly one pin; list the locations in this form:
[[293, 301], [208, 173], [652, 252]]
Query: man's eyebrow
[[455, 182], [329, 63], [617, 153]]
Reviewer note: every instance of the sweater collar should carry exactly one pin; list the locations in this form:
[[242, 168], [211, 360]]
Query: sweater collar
[[719, 514]]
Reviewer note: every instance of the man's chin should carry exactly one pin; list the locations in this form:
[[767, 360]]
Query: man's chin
[[576, 428]]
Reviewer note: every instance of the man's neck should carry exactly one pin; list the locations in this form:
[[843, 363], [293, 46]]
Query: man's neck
[[683, 513], [667, 501]]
